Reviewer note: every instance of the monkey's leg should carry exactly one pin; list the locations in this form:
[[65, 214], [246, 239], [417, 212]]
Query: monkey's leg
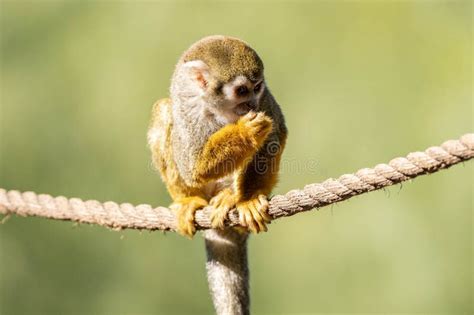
[[185, 209], [256, 182], [232, 146], [227, 271]]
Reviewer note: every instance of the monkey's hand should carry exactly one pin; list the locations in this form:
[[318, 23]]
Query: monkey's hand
[[232, 146], [253, 213], [185, 209], [222, 202], [255, 127]]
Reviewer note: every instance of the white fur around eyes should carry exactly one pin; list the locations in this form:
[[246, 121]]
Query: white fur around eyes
[[228, 88], [262, 88]]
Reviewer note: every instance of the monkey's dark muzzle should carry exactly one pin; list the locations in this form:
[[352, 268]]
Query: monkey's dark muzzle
[[245, 107]]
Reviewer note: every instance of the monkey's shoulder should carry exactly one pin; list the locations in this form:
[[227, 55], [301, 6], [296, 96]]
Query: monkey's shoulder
[[161, 112], [160, 125]]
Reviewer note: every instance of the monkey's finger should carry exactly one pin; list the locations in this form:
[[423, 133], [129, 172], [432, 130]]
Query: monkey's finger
[[264, 208], [216, 201], [218, 218], [246, 217], [190, 229], [265, 127], [256, 120], [241, 217], [250, 222], [262, 127], [186, 221], [257, 218], [217, 224], [184, 229], [250, 115], [261, 222], [244, 212], [261, 226], [188, 215], [260, 115]]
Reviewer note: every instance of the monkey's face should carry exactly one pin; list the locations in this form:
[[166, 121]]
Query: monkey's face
[[227, 101], [241, 95], [235, 98], [221, 75]]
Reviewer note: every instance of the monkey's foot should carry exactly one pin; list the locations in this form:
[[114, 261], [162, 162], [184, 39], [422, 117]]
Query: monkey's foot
[[253, 213], [224, 201], [185, 210]]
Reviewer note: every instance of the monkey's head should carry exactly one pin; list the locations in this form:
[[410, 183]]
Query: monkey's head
[[223, 71]]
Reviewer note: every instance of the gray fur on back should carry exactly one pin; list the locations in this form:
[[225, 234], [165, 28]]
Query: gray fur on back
[[193, 124]]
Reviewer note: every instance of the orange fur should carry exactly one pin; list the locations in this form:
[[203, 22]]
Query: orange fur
[[200, 152], [229, 150], [162, 155], [185, 209], [224, 201], [257, 181], [231, 147]]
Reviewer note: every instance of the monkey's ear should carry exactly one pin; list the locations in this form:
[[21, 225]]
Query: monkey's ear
[[199, 72]]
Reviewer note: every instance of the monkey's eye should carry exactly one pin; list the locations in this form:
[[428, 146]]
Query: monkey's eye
[[257, 87], [242, 90], [218, 88]]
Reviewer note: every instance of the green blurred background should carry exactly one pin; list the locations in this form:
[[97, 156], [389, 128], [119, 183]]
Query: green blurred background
[[360, 82]]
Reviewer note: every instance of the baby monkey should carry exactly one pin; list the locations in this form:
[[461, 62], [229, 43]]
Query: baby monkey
[[218, 139]]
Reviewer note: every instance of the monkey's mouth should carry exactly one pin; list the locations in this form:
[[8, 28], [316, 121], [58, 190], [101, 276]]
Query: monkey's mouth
[[245, 107]]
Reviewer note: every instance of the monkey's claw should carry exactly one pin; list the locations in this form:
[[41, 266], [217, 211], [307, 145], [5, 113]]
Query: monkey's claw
[[224, 201], [185, 210], [253, 213]]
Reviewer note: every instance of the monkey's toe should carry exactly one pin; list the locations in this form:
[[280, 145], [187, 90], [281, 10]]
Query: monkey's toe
[[185, 211], [186, 221], [223, 202], [253, 213]]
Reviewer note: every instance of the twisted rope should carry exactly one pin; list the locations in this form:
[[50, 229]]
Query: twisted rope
[[127, 216]]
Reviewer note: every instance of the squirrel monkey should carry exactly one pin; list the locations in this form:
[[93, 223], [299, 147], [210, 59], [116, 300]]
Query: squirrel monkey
[[218, 139]]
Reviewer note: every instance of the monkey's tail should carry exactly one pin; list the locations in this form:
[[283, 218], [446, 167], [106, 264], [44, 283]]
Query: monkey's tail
[[227, 271]]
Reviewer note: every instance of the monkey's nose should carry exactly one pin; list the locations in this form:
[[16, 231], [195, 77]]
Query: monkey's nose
[[252, 105], [244, 107]]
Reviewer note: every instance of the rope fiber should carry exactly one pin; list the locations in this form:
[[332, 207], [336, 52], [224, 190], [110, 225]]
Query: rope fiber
[[317, 195]]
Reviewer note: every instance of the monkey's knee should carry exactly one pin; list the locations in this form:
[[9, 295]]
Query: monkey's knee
[[185, 209]]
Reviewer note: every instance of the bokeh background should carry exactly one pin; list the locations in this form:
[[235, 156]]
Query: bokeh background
[[360, 82]]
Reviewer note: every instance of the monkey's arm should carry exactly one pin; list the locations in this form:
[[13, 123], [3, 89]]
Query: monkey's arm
[[257, 181], [232, 146], [254, 182], [261, 174]]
